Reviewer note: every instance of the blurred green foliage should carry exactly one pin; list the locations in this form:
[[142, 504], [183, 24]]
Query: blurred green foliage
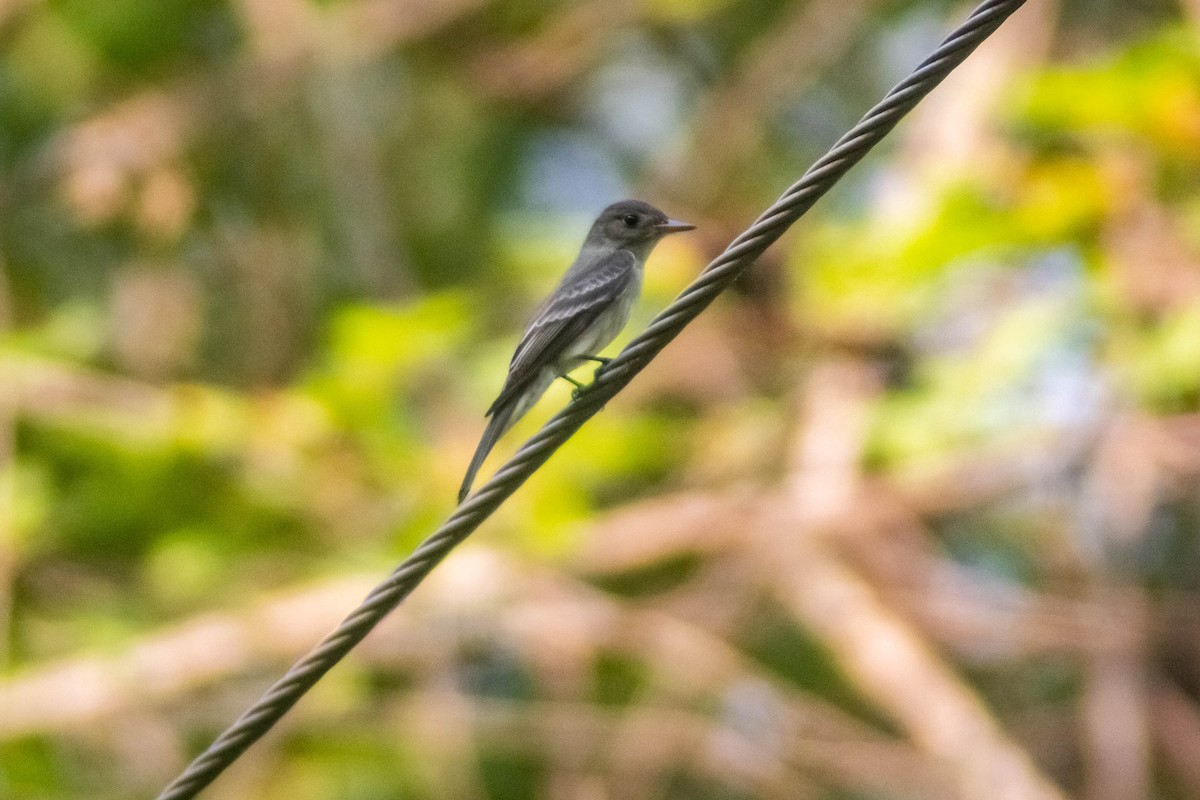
[[264, 263]]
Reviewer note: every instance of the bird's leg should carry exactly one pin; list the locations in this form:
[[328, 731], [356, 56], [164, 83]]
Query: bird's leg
[[601, 361], [579, 387]]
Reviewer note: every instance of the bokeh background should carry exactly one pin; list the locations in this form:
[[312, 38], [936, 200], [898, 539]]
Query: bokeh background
[[912, 513]]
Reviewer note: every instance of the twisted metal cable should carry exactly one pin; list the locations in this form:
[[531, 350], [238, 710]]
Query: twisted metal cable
[[715, 278]]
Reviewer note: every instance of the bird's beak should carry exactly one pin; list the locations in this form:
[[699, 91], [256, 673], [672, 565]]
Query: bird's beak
[[674, 226]]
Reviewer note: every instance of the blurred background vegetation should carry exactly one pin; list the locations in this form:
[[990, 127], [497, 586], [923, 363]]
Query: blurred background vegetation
[[913, 514]]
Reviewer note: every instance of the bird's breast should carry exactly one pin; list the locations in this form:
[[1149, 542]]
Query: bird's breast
[[608, 324]]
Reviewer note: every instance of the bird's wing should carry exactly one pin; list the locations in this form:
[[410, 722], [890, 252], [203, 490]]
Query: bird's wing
[[564, 317]]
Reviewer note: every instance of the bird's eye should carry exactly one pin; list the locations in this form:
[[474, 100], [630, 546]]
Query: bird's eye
[[630, 220]]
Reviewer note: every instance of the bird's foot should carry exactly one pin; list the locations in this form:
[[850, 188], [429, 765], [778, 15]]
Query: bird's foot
[[579, 387], [581, 391], [601, 361]]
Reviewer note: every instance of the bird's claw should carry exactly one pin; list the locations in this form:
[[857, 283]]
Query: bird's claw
[[602, 363], [577, 394], [579, 389]]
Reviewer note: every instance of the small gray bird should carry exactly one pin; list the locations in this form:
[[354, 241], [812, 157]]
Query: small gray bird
[[583, 314]]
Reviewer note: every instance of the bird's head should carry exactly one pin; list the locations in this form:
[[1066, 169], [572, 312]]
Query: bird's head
[[633, 224]]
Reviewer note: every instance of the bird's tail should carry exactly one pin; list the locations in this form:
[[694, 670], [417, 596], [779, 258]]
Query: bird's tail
[[496, 427]]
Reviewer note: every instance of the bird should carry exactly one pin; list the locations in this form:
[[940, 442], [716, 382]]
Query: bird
[[584, 313]]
